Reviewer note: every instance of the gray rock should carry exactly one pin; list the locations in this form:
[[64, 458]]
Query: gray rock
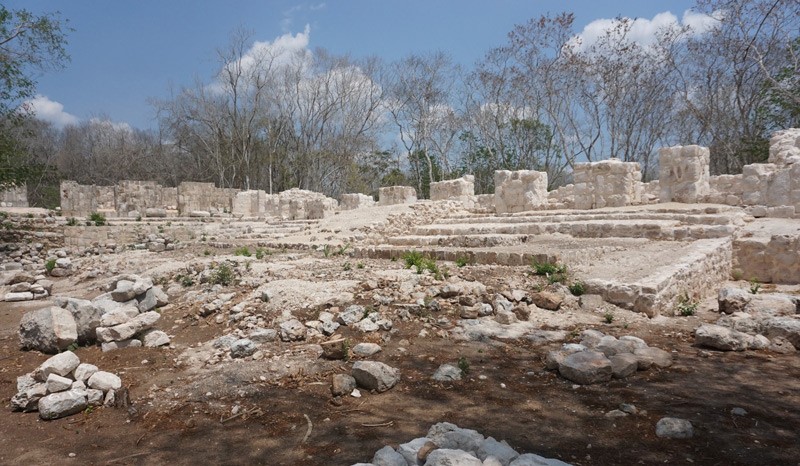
[[293, 330], [18, 296], [367, 325], [342, 384], [591, 338], [48, 330], [782, 346], [104, 381], [224, 342], [56, 383], [410, 449], [672, 427], [141, 322], [721, 338], [374, 375], [783, 327], [124, 291], [153, 298], [94, 397], [84, 371], [154, 338], [732, 299], [366, 349], [652, 356], [737, 411], [485, 309], [590, 301], [554, 358], [500, 303], [107, 303], [19, 288], [448, 435], [115, 345], [623, 365], [387, 456], [243, 348], [351, 314], [328, 327], [505, 317], [530, 459], [58, 405], [586, 367], [771, 305], [263, 335], [60, 364], [635, 342], [25, 382], [447, 457], [447, 373], [499, 450], [27, 400]]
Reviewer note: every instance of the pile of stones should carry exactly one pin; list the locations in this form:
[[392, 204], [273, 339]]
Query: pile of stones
[[447, 444], [63, 386], [753, 321], [599, 358], [156, 243], [23, 286], [122, 317]]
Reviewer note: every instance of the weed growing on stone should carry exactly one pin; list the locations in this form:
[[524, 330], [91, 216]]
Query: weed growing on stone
[[360, 265], [555, 273], [755, 286], [50, 265], [686, 306], [97, 218], [608, 317], [223, 275], [461, 261], [261, 252], [347, 267], [72, 222], [577, 289]]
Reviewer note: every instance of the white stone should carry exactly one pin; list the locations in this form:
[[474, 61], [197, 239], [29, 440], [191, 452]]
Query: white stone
[[60, 364], [56, 383], [57, 405], [104, 381]]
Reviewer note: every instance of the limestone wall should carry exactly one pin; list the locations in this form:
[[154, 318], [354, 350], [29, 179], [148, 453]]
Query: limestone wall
[[608, 183], [684, 173], [81, 200], [194, 196], [774, 259], [519, 191], [299, 204], [133, 198], [251, 203], [16, 196], [391, 195], [355, 200], [461, 188], [562, 197]]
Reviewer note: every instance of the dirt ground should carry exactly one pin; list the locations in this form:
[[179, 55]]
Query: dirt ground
[[181, 416]]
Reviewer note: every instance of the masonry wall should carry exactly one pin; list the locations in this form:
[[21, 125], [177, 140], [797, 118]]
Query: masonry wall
[[519, 191], [391, 195], [608, 183], [204, 197], [16, 196]]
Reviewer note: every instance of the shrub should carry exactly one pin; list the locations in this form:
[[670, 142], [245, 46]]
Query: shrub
[[686, 306], [50, 265], [223, 275], [242, 251], [461, 261], [72, 222], [463, 364], [555, 273], [608, 317], [97, 218], [577, 289], [260, 253], [755, 286]]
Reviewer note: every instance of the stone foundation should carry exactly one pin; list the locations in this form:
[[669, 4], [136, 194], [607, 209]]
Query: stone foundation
[[355, 201], [773, 259], [684, 173], [609, 183], [462, 189]]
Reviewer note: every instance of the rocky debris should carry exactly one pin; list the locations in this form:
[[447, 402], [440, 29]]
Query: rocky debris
[[600, 357], [366, 349], [447, 373], [337, 348], [763, 319], [447, 444], [373, 375], [242, 348], [672, 427], [23, 286], [48, 330], [292, 330], [62, 386], [87, 317], [547, 300], [732, 299]]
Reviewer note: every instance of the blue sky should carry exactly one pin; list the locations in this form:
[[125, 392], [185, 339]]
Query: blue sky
[[125, 53]]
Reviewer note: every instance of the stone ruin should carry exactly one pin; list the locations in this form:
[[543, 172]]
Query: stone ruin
[[397, 195], [460, 189], [293, 204], [519, 191], [355, 201], [14, 196]]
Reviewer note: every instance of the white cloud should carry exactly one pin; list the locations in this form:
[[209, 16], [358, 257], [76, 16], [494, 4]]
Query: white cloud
[[644, 31], [51, 111]]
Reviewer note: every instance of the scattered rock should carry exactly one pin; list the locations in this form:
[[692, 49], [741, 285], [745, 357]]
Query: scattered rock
[[447, 373], [586, 367], [671, 427], [243, 348], [547, 300], [721, 338], [342, 384], [293, 330], [48, 330], [58, 405], [374, 375], [366, 349], [732, 299]]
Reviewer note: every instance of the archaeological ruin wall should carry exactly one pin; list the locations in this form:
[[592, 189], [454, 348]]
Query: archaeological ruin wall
[[14, 196], [519, 191], [391, 195]]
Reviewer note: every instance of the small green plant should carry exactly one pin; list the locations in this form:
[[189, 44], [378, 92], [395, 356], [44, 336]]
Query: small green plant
[[327, 250], [346, 349], [412, 259], [608, 317], [555, 273], [260, 253], [461, 261], [207, 252], [737, 274], [185, 280], [242, 251], [223, 275], [72, 347], [347, 267], [97, 218], [359, 265], [463, 364], [88, 410], [755, 286], [343, 249], [50, 265], [139, 218], [72, 222], [686, 306], [577, 289]]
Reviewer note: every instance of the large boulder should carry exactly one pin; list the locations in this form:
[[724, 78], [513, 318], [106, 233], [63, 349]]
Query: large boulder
[[127, 330], [57, 405], [60, 364], [87, 317], [721, 338], [48, 330], [732, 299], [586, 367], [374, 375], [672, 427], [783, 327], [447, 457]]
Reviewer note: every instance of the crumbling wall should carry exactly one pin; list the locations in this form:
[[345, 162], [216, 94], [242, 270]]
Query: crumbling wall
[[608, 183], [562, 197], [204, 197], [352, 201], [299, 204], [15, 196], [82, 200], [772, 259], [684, 173], [391, 195], [251, 203], [519, 191], [461, 189], [133, 198]]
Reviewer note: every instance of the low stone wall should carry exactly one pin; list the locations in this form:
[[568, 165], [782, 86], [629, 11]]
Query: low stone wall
[[774, 259], [251, 203], [519, 191], [15, 196], [355, 201], [392, 195], [299, 204], [134, 198], [608, 183], [204, 197], [461, 189]]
